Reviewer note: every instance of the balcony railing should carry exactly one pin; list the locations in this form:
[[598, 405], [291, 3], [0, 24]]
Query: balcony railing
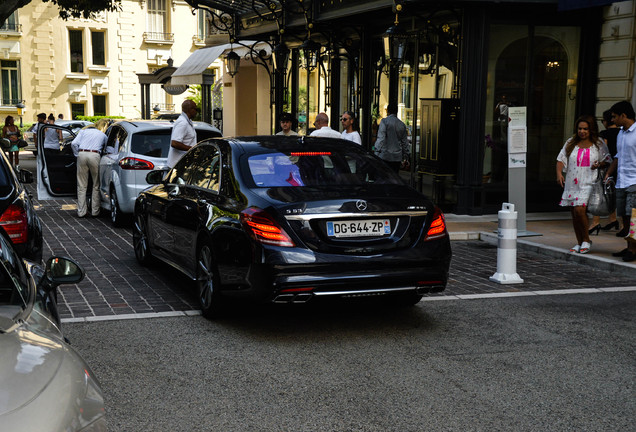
[[10, 102], [158, 38], [11, 28], [163, 107]]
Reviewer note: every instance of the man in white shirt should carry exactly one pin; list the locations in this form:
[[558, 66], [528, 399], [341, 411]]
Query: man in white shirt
[[183, 137], [323, 129], [349, 133]]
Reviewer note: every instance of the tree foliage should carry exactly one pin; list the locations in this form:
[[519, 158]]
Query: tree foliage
[[67, 8]]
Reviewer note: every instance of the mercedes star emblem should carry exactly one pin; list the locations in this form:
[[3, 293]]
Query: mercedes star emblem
[[361, 205]]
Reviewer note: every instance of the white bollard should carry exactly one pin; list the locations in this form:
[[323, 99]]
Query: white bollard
[[507, 247]]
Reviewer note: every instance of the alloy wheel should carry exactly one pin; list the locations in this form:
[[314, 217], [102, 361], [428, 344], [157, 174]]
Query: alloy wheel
[[207, 283], [140, 240]]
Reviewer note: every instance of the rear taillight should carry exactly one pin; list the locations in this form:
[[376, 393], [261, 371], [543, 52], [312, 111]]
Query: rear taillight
[[14, 222], [264, 229], [131, 163], [438, 226]]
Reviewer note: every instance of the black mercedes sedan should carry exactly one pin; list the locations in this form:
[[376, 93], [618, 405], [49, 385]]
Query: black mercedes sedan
[[288, 219]]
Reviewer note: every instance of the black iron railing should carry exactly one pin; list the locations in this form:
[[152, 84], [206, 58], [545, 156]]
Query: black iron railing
[[11, 27]]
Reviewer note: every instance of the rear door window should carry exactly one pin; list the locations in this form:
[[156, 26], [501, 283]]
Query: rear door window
[[151, 144]]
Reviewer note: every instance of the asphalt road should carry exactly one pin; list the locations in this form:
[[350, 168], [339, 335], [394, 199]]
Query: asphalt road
[[537, 363]]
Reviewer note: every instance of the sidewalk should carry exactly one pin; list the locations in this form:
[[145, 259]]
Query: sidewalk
[[557, 236]]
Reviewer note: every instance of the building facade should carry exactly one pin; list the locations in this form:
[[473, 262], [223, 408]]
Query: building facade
[[462, 65], [91, 67]]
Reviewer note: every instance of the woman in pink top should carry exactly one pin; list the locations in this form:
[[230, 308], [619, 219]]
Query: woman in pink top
[[579, 158]]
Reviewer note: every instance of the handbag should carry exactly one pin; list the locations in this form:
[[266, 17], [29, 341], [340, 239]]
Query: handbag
[[22, 143], [598, 204]]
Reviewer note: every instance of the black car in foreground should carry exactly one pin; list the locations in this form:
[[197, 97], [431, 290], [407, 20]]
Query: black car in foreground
[[287, 219], [17, 215]]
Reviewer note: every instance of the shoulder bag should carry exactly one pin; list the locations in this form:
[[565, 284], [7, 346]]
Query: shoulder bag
[[598, 204]]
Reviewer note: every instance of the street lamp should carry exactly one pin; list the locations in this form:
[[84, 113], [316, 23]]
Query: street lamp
[[395, 44], [395, 39], [280, 57], [232, 61], [311, 51], [20, 106]]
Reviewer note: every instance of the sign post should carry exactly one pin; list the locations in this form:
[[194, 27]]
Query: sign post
[[517, 162]]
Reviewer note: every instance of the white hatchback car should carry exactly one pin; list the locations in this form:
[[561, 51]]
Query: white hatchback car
[[135, 148]]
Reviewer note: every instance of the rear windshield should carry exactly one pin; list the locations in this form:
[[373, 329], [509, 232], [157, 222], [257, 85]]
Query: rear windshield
[[157, 143], [151, 144], [320, 168]]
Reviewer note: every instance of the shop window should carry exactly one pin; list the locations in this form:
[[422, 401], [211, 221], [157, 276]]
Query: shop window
[[10, 83], [76, 46], [99, 105], [99, 48]]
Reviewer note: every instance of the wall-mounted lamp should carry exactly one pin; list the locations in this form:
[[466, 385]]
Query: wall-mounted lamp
[[232, 61], [571, 89], [20, 106]]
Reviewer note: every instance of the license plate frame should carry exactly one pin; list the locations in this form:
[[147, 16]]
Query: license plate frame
[[359, 228]]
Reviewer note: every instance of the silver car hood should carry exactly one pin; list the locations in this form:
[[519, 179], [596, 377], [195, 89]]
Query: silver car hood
[[44, 383]]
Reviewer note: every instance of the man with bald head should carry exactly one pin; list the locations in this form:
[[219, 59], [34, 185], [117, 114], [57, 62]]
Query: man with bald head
[[183, 135], [322, 127]]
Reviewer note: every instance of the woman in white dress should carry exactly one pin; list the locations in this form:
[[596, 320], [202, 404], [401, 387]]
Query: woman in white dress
[[579, 158]]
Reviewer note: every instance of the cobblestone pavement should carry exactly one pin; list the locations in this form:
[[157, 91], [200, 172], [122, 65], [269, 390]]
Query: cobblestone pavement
[[116, 284]]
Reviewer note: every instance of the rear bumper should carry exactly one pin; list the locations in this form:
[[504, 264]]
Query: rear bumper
[[298, 276]]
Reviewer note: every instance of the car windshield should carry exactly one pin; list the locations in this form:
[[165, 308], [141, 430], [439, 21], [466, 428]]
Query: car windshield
[[151, 144], [319, 168]]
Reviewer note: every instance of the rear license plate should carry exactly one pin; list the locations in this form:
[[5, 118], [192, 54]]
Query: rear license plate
[[359, 228]]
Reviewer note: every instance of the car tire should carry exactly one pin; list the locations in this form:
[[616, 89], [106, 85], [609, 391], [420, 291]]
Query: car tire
[[207, 283], [116, 216], [140, 241]]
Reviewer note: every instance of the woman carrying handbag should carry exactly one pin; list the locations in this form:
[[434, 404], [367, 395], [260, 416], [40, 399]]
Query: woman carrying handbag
[[579, 159]]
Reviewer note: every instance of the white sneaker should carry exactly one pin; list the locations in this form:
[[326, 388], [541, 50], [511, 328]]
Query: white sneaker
[[585, 247], [575, 248]]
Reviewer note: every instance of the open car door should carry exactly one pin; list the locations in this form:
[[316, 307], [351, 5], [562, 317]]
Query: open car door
[[57, 169]]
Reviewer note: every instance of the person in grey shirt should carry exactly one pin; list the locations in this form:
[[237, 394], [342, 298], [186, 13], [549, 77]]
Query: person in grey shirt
[[392, 144]]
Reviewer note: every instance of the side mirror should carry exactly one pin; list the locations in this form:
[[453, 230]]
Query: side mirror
[[25, 176], [155, 177], [60, 270]]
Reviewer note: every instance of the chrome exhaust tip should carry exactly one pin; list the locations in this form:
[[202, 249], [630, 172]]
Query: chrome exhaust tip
[[293, 298]]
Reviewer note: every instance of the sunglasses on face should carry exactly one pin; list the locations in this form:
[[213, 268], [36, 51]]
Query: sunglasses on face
[[345, 119]]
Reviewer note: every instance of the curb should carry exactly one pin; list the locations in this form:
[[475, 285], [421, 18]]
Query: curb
[[553, 252]]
